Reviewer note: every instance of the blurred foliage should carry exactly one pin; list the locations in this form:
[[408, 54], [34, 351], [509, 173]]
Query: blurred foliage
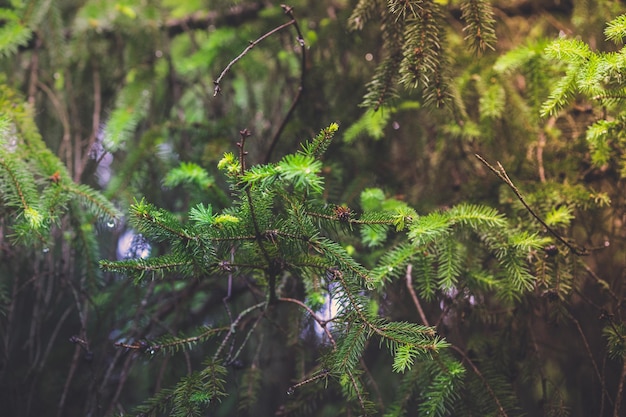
[[108, 107]]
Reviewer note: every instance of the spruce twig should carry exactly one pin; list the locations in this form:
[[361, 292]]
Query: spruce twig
[[271, 273], [501, 173]]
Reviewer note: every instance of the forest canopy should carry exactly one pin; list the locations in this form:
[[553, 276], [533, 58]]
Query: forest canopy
[[319, 208]]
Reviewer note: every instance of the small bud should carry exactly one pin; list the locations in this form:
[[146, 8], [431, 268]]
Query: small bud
[[343, 213]]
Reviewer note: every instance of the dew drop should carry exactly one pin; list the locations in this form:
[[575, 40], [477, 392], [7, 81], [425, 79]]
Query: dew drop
[[290, 391]]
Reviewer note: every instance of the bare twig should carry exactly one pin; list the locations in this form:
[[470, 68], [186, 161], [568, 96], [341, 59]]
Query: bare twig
[[620, 391], [589, 353], [95, 122], [217, 89], [234, 325], [416, 301], [541, 144], [501, 173], [323, 323], [300, 38], [501, 411], [64, 118]]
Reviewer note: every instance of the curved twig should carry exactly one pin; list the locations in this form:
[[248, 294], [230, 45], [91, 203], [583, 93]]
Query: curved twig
[[217, 88], [492, 394], [323, 323]]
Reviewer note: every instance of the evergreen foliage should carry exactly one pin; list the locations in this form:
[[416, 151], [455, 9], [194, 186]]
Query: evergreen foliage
[[414, 39], [280, 236], [37, 190], [380, 269], [597, 76]]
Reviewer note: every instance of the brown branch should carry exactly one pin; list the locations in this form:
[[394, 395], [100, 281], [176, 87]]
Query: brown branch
[[202, 20], [501, 411], [416, 301], [620, 391], [323, 323], [217, 89], [95, 123], [501, 173], [589, 353]]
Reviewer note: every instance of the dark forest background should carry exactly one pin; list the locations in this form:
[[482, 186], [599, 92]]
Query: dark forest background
[[475, 174]]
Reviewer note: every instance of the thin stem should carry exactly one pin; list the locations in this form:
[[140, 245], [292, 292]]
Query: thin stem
[[350, 221], [323, 323], [620, 391], [232, 358], [589, 353], [271, 273], [416, 301], [95, 122], [502, 413], [376, 329], [217, 89], [234, 325]]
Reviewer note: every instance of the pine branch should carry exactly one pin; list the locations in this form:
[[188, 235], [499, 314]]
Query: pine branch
[[95, 202], [170, 344], [480, 24], [12, 36], [153, 266], [616, 29], [501, 173], [363, 13]]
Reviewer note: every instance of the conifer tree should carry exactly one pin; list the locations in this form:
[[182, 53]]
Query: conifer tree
[[258, 279]]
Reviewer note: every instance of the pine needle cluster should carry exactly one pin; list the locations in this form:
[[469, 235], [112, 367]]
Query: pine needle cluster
[[415, 46], [37, 190], [599, 77]]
